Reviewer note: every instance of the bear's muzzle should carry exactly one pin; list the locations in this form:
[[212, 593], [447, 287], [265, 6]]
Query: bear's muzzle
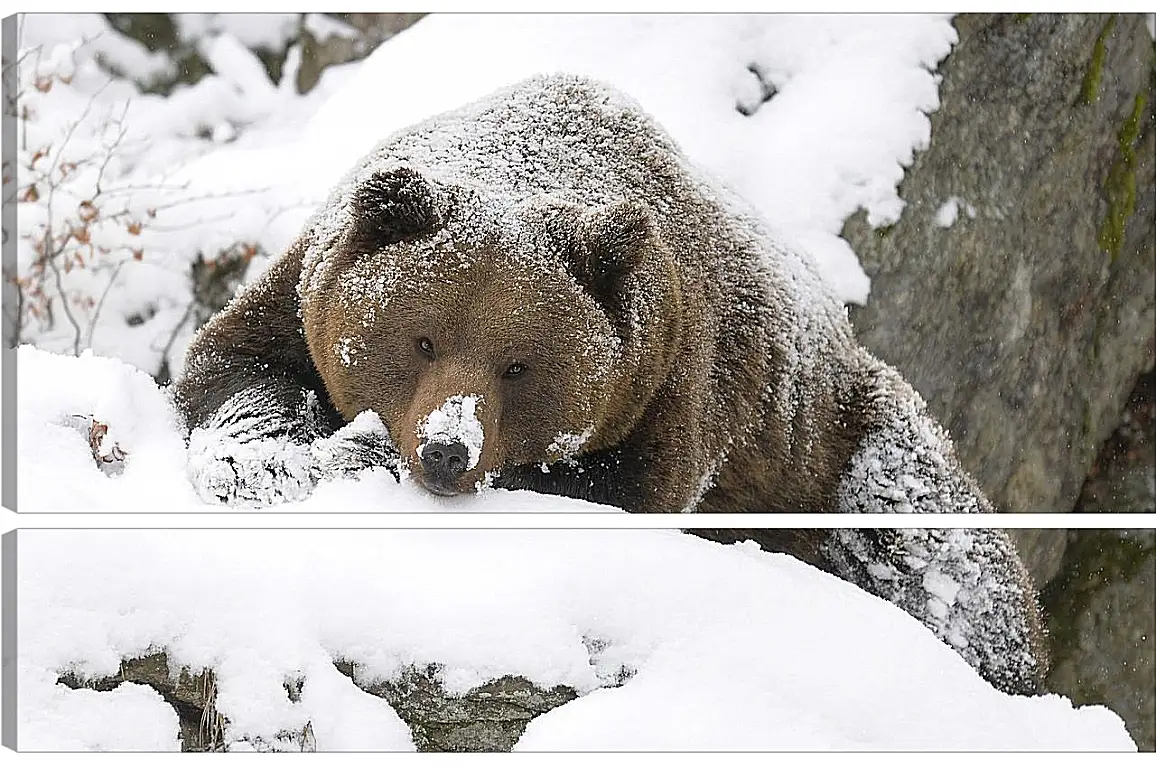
[[442, 465]]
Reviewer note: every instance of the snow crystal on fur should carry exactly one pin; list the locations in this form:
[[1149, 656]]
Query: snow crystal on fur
[[966, 585]]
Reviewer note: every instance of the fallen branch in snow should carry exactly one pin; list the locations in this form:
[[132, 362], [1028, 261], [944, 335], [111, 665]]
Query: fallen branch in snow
[[111, 458]]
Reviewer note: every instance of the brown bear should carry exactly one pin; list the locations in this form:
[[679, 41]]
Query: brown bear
[[539, 291]]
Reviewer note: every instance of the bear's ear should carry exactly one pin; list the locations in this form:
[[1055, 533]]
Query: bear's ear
[[391, 206], [615, 238]]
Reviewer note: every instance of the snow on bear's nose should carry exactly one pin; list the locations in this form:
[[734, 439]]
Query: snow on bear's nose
[[451, 442]]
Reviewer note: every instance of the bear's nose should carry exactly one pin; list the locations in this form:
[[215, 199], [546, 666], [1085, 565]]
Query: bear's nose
[[444, 462]]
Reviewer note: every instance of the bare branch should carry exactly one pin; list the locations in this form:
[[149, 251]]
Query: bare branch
[[76, 124], [128, 189], [67, 308], [14, 97], [75, 240], [18, 318], [164, 366], [100, 304], [121, 131], [185, 200], [52, 249], [181, 227]]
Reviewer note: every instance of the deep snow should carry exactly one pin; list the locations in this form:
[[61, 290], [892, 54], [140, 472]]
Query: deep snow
[[795, 659]]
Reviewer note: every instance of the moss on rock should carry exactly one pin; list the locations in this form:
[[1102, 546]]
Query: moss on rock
[[1090, 89], [1120, 184]]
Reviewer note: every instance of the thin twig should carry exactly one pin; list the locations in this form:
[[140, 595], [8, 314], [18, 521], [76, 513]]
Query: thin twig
[[18, 321], [12, 70], [208, 196], [67, 309], [176, 329], [130, 188], [183, 201], [111, 149], [72, 128], [51, 249], [100, 304], [182, 227]]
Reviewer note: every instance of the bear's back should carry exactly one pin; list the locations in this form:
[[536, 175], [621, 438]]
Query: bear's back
[[561, 135], [585, 142]]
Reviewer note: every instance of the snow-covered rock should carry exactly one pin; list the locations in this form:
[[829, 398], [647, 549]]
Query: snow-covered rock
[[723, 647]]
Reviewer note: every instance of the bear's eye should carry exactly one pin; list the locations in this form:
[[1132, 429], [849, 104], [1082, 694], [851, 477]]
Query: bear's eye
[[426, 347], [514, 371]]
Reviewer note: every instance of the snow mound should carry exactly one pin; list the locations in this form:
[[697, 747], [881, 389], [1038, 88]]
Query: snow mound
[[131, 717], [56, 471], [793, 660]]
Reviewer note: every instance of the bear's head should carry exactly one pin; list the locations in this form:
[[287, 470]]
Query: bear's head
[[488, 332]]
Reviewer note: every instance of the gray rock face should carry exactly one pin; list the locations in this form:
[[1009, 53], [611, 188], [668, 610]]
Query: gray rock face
[[1101, 615], [192, 696], [489, 718], [159, 32], [1027, 321], [372, 29], [1103, 633], [1123, 479], [1041, 550]]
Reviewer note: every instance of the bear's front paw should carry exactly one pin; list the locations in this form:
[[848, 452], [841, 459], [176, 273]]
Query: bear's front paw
[[360, 444], [259, 472]]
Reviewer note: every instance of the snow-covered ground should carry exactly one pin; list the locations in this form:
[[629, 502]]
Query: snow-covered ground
[[730, 648], [239, 162], [56, 472]]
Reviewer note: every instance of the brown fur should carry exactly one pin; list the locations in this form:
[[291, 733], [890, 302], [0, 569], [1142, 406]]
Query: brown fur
[[497, 310], [715, 371], [689, 407]]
